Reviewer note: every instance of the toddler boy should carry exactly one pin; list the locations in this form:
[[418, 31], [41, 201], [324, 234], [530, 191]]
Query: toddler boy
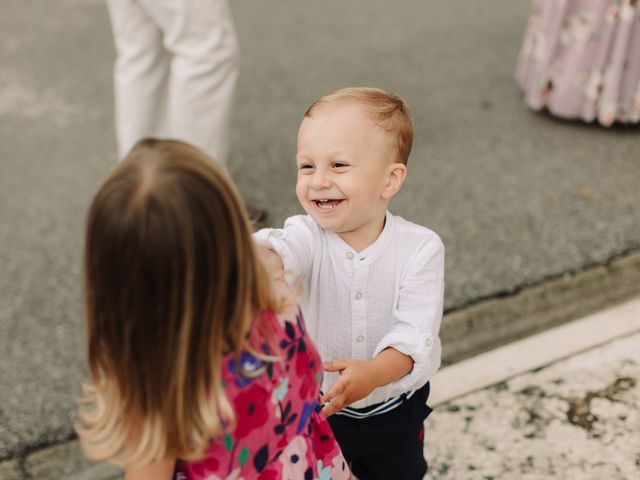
[[373, 281]]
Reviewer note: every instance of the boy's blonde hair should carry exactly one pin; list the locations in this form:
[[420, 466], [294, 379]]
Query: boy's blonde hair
[[387, 110], [172, 283]]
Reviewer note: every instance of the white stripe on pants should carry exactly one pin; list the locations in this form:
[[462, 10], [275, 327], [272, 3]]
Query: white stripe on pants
[[175, 72]]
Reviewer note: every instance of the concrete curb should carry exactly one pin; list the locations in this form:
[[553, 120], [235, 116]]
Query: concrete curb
[[535, 351], [500, 320]]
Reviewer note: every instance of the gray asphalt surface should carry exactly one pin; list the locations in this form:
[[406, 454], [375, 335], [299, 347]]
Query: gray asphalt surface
[[516, 196]]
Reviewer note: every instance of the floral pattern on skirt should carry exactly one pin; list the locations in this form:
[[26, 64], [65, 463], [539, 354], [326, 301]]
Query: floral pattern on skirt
[[280, 431], [581, 60]]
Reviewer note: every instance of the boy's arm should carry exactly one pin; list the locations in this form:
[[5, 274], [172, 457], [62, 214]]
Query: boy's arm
[[293, 244], [359, 378], [417, 316], [404, 355], [390, 365]]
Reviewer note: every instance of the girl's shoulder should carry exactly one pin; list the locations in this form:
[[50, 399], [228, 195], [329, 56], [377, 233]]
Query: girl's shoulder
[[286, 322]]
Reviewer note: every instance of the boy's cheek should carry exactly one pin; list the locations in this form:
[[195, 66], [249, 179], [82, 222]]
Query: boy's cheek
[[300, 193]]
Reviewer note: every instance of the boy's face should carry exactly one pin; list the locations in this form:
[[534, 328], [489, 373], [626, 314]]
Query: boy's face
[[346, 175]]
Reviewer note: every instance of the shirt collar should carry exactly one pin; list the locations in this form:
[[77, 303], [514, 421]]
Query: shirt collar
[[369, 254]]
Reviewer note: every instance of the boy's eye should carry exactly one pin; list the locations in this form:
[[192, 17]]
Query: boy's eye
[[306, 166], [340, 165]]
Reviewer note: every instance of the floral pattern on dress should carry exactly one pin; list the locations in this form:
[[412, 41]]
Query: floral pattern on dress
[[280, 431], [580, 59]]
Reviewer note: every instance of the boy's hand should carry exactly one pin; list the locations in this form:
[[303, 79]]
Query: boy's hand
[[357, 380]]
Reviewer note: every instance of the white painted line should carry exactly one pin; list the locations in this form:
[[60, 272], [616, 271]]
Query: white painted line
[[533, 352]]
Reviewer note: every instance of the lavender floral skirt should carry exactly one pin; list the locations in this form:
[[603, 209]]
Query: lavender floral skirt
[[581, 60]]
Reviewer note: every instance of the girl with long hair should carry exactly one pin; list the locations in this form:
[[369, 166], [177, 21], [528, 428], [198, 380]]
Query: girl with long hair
[[199, 367]]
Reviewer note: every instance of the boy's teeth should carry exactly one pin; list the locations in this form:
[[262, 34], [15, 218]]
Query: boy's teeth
[[327, 204]]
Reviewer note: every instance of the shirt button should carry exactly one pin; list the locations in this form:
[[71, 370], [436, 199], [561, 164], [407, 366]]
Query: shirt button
[[428, 342], [360, 339], [349, 255], [359, 295]]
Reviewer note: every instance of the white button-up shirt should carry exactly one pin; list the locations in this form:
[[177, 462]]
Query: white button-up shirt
[[356, 304]]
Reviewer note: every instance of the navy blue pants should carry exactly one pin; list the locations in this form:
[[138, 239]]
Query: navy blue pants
[[386, 446]]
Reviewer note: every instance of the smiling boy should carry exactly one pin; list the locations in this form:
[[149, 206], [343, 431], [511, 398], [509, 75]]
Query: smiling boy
[[374, 281]]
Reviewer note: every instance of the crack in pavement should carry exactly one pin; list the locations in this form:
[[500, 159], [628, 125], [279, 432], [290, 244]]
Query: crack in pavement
[[579, 412], [579, 408]]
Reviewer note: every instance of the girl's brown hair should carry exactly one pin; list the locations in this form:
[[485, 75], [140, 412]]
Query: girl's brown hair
[[172, 282]]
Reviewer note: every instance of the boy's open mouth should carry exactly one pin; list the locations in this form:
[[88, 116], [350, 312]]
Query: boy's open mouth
[[327, 204]]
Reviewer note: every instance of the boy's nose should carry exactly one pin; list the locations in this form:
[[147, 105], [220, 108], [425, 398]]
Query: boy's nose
[[320, 180]]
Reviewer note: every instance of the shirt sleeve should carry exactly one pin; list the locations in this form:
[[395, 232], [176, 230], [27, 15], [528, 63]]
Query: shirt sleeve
[[293, 243], [418, 313]]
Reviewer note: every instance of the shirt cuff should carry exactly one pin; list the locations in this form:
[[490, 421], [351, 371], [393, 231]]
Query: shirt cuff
[[275, 239], [419, 349]]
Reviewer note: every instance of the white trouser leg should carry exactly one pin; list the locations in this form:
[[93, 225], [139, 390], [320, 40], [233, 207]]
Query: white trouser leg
[[200, 36], [140, 75]]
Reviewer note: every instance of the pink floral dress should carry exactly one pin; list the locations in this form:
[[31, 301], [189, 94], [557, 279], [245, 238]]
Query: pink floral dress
[[280, 432], [580, 59]]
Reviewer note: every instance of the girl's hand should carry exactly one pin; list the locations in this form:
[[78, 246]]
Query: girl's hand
[[357, 380]]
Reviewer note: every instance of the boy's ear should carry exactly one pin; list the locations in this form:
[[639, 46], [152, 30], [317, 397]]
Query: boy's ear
[[396, 173]]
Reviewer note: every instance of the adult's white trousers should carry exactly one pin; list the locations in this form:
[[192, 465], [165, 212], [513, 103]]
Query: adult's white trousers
[[175, 72]]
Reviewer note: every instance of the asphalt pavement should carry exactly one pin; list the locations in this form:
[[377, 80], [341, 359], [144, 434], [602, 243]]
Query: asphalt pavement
[[519, 198]]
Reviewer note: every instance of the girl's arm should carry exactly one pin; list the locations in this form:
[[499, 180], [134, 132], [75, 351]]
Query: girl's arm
[[162, 470], [159, 470]]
